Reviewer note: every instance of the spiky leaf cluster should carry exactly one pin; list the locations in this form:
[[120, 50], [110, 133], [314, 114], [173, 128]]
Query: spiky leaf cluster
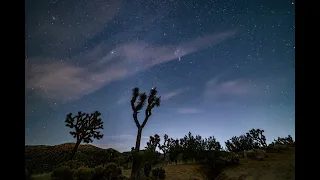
[[85, 126], [154, 142], [139, 100], [257, 136]]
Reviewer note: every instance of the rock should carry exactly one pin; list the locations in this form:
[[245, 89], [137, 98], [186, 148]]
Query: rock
[[258, 154]]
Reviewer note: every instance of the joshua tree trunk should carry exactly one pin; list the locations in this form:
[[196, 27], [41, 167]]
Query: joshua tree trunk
[[152, 101], [75, 149], [135, 173]]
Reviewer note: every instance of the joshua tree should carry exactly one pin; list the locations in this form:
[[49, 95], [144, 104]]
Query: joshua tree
[[258, 137], [284, 141], [240, 143], [154, 142], [137, 102], [85, 127], [165, 146]]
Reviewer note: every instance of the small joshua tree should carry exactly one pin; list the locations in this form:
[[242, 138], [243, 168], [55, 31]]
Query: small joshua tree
[[241, 143], [257, 136], [154, 142], [137, 103], [85, 127], [165, 146], [284, 141]]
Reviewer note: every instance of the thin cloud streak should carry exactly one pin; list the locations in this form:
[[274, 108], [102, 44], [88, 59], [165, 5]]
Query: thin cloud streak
[[189, 110], [216, 88], [67, 82], [170, 95]]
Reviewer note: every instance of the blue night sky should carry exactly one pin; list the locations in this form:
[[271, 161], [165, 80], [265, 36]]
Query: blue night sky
[[222, 67]]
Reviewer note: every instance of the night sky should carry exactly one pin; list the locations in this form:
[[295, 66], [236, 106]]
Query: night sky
[[222, 67]]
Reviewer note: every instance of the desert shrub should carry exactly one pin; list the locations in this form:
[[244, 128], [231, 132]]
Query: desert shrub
[[147, 169], [216, 161], [122, 177], [73, 164], [62, 173], [238, 144], [258, 154], [99, 173], [230, 159], [84, 173], [159, 172], [113, 171], [280, 145], [121, 160], [240, 154], [284, 141], [150, 157], [276, 148], [125, 166], [251, 140]]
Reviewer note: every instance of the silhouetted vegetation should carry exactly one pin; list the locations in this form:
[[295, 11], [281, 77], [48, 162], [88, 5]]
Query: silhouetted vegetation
[[284, 141], [253, 139], [85, 127], [62, 173], [165, 146], [137, 103], [40, 159], [109, 172], [86, 162], [158, 173], [84, 173], [190, 149]]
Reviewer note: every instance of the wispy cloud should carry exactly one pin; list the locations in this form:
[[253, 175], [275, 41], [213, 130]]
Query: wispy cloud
[[217, 88], [189, 110], [66, 82], [124, 99], [169, 95]]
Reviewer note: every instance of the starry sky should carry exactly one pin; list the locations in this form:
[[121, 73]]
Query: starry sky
[[222, 67]]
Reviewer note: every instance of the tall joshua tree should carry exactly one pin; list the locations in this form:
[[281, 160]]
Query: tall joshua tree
[[85, 127], [137, 103]]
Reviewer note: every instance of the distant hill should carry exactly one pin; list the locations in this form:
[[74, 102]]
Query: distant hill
[[45, 158]]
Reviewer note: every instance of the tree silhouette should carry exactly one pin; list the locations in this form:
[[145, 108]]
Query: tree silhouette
[[85, 127], [251, 140], [240, 143], [258, 137], [154, 142], [137, 103], [165, 146], [284, 141], [151, 156], [175, 148]]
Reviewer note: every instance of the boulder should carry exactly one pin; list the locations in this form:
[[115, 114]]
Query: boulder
[[258, 154]]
